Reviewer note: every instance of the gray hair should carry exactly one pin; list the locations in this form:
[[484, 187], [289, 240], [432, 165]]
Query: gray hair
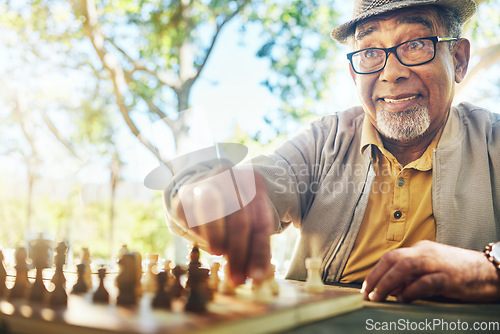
[[451, 21], [452, 24]]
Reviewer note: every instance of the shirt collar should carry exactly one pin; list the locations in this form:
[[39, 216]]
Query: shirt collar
[[370, 139]]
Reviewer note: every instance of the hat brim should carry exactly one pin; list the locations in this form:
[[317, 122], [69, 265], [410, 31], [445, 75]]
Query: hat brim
[[464, 9]]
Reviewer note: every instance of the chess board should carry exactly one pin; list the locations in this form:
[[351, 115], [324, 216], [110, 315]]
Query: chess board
[[225, 314]]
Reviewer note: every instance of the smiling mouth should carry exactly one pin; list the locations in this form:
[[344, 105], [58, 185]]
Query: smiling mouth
[[389, 100]]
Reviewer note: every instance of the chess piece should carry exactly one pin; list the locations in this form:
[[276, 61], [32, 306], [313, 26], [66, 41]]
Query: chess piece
[[138, 273], [59, 297], [39, 254], [214, 280], [123, 250], [21, 285], [86, 261], [198, 291], [80, 286], [226, 286], [126, 280], [162, 298], [194, 264], [149, 280], [101, 295], [272, 282], [3, 277], [195, 257], [262, 292], [167, 264], [314, 284], [177, 289]]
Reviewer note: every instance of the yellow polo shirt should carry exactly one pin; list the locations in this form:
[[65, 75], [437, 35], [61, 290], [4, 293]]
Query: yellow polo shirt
[[399, 211]]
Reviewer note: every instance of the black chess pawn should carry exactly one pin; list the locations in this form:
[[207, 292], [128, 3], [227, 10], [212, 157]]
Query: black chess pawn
[[59, 297], [101, 295], [198, 292], [3, 277], [22, 285], [80, 286], [177, 289], [162, 299]]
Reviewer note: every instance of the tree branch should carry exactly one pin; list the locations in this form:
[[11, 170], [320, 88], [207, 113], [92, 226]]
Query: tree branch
[[216, 35], [118, 77], [53, 129], [153, 108], [140, 67]]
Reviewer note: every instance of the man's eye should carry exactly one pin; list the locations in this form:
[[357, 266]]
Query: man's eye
[[370, 53], [415, 45]]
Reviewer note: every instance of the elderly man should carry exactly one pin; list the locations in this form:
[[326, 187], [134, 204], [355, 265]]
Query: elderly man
[[401, 193]]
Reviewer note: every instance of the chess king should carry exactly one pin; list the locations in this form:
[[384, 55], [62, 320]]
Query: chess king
[[422, 232]]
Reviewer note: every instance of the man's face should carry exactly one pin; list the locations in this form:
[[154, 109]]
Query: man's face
[[406, 103]]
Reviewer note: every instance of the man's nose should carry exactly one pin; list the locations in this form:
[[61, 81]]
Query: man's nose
[[394, 71]]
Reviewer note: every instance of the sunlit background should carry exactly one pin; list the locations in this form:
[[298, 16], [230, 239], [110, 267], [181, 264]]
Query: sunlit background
[[71, 167]]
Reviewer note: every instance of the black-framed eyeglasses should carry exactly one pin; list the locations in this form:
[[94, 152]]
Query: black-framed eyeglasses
[[410, 53]]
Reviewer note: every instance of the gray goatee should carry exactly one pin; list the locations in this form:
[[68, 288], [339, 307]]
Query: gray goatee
[[404, 125]]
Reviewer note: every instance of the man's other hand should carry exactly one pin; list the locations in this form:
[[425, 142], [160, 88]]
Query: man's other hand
[[431, 269]]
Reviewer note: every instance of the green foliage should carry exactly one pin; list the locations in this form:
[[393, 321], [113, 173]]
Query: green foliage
[[485, 25], [301, 54], [141, 225], [12, 222], [149, 232], [162, 45]]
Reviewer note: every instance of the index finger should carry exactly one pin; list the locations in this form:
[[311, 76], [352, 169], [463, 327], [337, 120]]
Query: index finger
[[370, 290], [407, 268]]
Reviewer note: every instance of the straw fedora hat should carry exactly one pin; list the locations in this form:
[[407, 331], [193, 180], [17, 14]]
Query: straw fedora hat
[[364, 9]]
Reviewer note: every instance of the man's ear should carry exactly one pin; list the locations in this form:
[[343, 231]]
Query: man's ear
[[461, 55], [353, 74]]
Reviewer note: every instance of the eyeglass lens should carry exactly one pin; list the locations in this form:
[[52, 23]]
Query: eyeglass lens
[[413, 52]]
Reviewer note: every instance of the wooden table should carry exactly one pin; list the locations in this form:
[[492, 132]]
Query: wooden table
[[430, 316]]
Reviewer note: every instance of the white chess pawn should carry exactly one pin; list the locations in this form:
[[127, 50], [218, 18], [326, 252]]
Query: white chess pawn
[[226, 286], [86, 261], [275, 288], [314, 284], [262, 292], [213, 279], [149, 281]]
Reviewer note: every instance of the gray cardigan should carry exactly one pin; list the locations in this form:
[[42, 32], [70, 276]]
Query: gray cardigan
[[320, 181]]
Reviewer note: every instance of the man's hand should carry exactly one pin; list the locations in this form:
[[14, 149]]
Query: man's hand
[[243, 236], [431, 269]]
